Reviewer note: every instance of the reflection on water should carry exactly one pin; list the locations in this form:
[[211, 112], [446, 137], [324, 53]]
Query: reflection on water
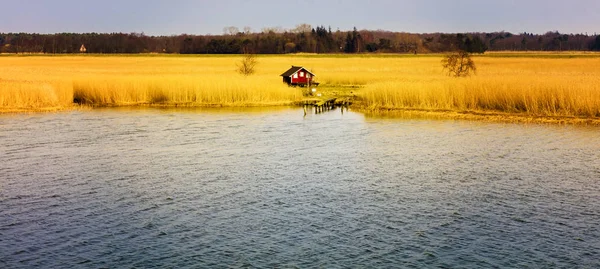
[[270, 188]]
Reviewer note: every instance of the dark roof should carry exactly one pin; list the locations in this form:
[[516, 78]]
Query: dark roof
[[295, 69]]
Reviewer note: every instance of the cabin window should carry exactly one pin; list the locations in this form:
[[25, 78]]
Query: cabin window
[[296, 75], [301, 74], [307, 75]]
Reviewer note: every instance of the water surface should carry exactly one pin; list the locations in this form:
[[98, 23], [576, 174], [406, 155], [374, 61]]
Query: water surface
[[124, 188]]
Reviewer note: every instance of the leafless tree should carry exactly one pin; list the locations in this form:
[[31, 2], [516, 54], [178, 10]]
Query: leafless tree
[[231, 30], [276, 30], [302, 28], [459, 64], [246, 66]]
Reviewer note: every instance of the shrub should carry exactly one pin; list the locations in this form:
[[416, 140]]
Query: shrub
[[459, 64], [246, 66]]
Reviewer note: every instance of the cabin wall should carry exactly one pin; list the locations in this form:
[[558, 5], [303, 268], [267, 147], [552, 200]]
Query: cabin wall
[[302, 80], [299, 80]]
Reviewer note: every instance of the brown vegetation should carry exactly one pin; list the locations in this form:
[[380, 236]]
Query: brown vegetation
[[459, 64], [246, 66], [534, 86]]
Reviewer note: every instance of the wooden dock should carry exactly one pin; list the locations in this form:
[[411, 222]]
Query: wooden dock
[[323, 105]]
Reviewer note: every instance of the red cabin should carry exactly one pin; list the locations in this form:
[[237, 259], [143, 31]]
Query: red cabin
[[298, 76]]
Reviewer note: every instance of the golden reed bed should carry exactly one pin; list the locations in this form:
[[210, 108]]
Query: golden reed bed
[[530, 86], [50, 83]]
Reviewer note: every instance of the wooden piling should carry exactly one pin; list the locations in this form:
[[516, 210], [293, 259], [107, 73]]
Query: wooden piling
[[322, 106]]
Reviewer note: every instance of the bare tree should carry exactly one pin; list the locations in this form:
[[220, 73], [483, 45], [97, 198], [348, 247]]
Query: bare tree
[[247, 30], [302, 28], [276, 30], [231, 30], [459, 64], [246, 66]]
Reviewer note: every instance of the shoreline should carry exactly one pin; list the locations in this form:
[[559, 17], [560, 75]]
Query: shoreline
[[504, 89], [490, 116], [406, 113], [76, 106]]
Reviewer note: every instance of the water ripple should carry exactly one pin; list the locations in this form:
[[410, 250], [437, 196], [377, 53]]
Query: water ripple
[[227, 188]]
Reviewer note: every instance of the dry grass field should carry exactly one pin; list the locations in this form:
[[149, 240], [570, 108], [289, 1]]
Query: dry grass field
[[540, 85], [49, 83], [531, 86]]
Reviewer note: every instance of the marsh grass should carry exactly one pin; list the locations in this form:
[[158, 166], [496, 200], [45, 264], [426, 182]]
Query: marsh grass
[[183, 90], [57, 82], [32, 95], [535, 87], [520, 85], [542, 98]]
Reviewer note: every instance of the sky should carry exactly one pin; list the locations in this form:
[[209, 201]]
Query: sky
[[156, 17]]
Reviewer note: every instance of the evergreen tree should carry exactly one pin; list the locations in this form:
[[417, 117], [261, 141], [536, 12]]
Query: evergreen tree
[[349, 48], [596, 44]]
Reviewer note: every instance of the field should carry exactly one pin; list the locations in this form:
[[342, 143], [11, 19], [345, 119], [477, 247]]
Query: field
[[51, 83], [530, 86], [552, 85]]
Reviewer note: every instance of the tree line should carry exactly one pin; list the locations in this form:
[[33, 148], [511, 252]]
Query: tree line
[[303, 38]]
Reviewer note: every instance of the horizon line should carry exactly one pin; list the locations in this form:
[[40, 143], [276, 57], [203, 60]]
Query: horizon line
[[291, 31]]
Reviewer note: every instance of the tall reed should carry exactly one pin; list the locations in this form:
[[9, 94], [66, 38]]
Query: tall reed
[[531, 85], [539, 87], [537, 97], [35, 95], [32, 83], [184, 90]]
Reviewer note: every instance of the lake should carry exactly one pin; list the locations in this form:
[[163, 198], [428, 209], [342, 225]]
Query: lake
[[221, 188]]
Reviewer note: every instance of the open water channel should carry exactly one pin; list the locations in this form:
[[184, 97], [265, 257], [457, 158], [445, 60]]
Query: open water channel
[[221, 188]]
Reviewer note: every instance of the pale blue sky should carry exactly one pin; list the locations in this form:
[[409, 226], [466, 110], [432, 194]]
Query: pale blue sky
[[156, 17]]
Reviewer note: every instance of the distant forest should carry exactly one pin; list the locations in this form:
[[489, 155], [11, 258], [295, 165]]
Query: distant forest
[[303, 38]]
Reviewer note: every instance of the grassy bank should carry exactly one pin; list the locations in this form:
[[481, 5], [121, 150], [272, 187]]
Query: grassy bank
[[525, 84], [54, 83], [532, 87], [182, 90]]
